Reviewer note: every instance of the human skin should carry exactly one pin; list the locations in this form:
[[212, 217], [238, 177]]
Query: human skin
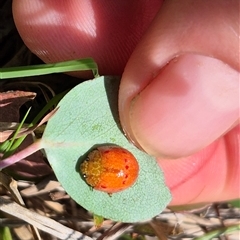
[[179, 92]]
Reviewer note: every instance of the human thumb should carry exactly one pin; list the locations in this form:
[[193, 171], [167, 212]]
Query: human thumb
[[174, 99]]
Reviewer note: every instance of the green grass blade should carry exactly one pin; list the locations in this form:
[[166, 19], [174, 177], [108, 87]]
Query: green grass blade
[[52, 102], [218, 232], [12, 147], [42, 69], [4, 145], [235, 203], [5, 233]]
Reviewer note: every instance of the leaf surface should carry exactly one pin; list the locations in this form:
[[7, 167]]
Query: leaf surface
[[87, 117]]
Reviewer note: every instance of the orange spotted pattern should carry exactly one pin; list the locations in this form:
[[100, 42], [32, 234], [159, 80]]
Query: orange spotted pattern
[[110, 169]]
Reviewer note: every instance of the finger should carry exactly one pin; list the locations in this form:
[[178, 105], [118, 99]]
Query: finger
[[108, 31], [210, 175], [176, 110], [186, 107]]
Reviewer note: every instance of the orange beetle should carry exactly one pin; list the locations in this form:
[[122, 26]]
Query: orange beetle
[[110, 169]]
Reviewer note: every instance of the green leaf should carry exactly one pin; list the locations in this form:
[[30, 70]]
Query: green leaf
[[88, 116]]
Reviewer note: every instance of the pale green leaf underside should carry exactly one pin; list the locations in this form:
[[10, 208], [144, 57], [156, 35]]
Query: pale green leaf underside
[[87, 116]]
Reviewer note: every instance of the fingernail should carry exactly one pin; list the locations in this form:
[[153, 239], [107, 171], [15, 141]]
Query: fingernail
[[192, 102]]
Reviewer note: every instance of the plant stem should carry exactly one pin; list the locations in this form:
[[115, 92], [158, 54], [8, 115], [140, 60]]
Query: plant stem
[[34, 147]]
